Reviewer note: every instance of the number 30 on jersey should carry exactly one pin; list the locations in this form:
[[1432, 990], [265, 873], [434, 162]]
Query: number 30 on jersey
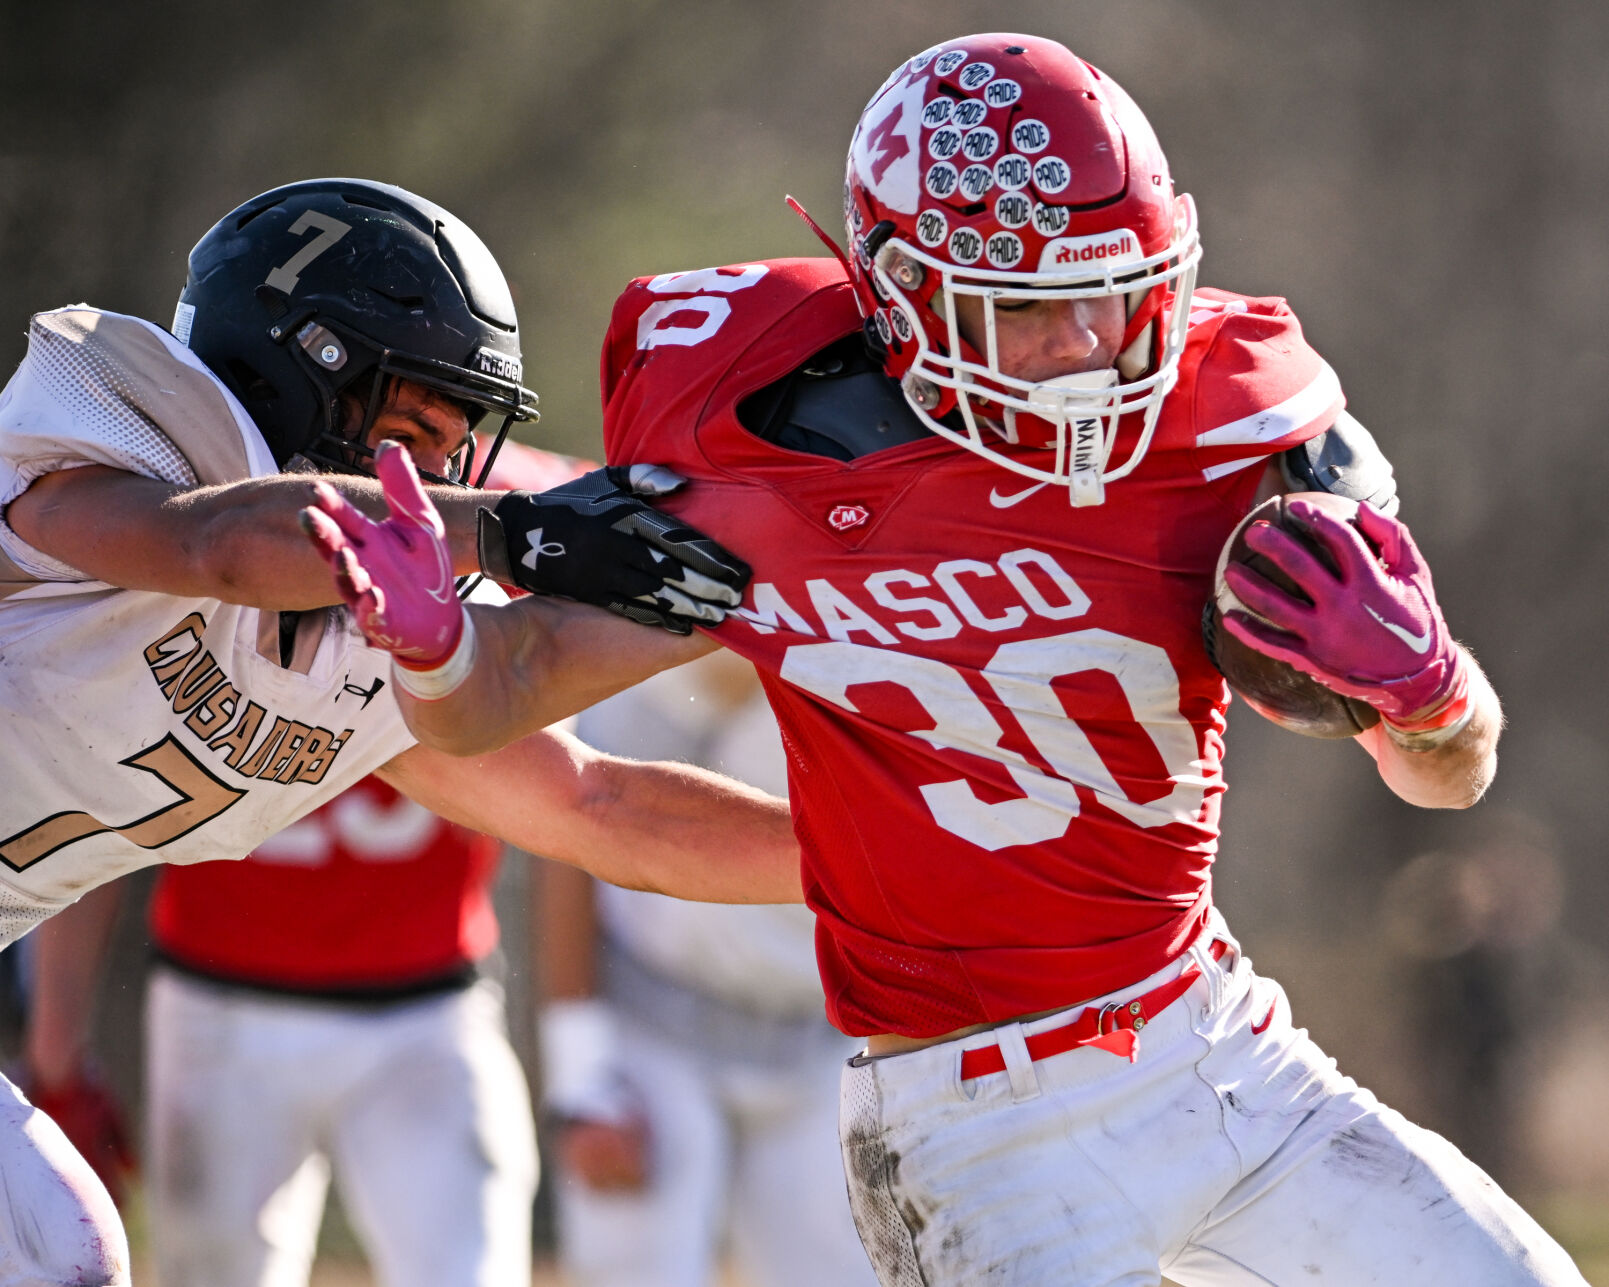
[[1021, 674]]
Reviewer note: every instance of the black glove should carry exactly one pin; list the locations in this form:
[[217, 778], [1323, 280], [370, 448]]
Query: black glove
[[595, 541]]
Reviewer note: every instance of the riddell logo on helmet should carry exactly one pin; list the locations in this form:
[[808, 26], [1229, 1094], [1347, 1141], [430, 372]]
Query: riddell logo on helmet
[[1064, 253], [491, 362]]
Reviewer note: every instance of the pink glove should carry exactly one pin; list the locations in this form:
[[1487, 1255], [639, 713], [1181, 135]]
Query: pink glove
[[1372, 629], [395, 576]]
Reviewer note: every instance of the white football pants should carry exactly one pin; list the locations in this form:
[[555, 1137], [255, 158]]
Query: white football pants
[[1232, 1154], [421, 1106], [739, 1151], [58, 1227]]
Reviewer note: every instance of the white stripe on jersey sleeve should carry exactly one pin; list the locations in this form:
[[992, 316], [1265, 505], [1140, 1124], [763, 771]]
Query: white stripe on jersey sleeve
[[1277, 421], [1231, 466]]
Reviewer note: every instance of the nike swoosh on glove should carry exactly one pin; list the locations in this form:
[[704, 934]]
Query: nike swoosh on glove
[[1369, 626], [396, 575], [598, 541]]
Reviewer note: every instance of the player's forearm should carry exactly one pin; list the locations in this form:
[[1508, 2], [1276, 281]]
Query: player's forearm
[[250, 547], [538, 661], [1454, 774], [683, 831], [240, 542], [670, 828]]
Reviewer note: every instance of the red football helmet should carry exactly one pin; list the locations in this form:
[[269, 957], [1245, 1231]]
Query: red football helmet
[[1005, 167]]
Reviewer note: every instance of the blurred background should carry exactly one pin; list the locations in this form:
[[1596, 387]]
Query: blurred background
[[1425, 184]]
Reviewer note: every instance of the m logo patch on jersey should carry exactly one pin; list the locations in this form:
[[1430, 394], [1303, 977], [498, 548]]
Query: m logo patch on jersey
[[843, 517]]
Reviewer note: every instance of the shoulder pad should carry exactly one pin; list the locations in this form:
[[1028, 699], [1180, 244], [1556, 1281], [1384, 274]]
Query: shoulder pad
[[1254, 386], [838, 404], [110, 389], [675, 338], [1345, 461]]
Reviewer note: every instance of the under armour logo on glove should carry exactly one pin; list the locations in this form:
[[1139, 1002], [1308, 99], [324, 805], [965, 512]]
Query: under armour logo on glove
[[552, 549], [596, 540]]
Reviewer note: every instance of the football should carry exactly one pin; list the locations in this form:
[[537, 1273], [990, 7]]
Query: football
[[1272, 688]]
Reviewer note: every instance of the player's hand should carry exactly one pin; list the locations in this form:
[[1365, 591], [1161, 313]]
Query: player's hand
[[92, 1120], [396, 576], [598, 541], [607, 1157], [1369, 626]]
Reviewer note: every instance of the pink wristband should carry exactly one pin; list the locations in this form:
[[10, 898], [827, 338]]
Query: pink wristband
[[1441, 723], [1451, 709]]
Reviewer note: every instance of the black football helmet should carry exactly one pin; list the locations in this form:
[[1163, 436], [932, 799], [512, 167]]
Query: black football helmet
[[332, 286]]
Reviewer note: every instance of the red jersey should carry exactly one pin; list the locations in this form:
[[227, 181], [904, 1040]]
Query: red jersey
[[370, 894], [1005, 737]]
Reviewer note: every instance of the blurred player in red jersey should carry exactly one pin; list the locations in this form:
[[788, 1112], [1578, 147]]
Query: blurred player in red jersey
[[982, 470], [320, 1005]]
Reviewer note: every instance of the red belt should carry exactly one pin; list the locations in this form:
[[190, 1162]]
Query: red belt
[[1115, 1028]]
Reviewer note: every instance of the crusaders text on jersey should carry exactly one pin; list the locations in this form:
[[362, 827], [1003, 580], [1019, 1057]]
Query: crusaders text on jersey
[[144, 727]]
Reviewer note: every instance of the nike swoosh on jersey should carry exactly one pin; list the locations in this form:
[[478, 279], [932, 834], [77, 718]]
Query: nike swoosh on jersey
[[1006, 502], [1419, 643]]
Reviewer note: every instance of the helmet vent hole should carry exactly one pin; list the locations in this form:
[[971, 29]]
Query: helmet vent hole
[[403, 301], [1015, 49], [274, 301], [256, 211], [873, 241]]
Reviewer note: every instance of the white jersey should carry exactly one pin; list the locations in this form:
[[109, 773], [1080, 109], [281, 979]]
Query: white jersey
[[143, 727], [760, 959]]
